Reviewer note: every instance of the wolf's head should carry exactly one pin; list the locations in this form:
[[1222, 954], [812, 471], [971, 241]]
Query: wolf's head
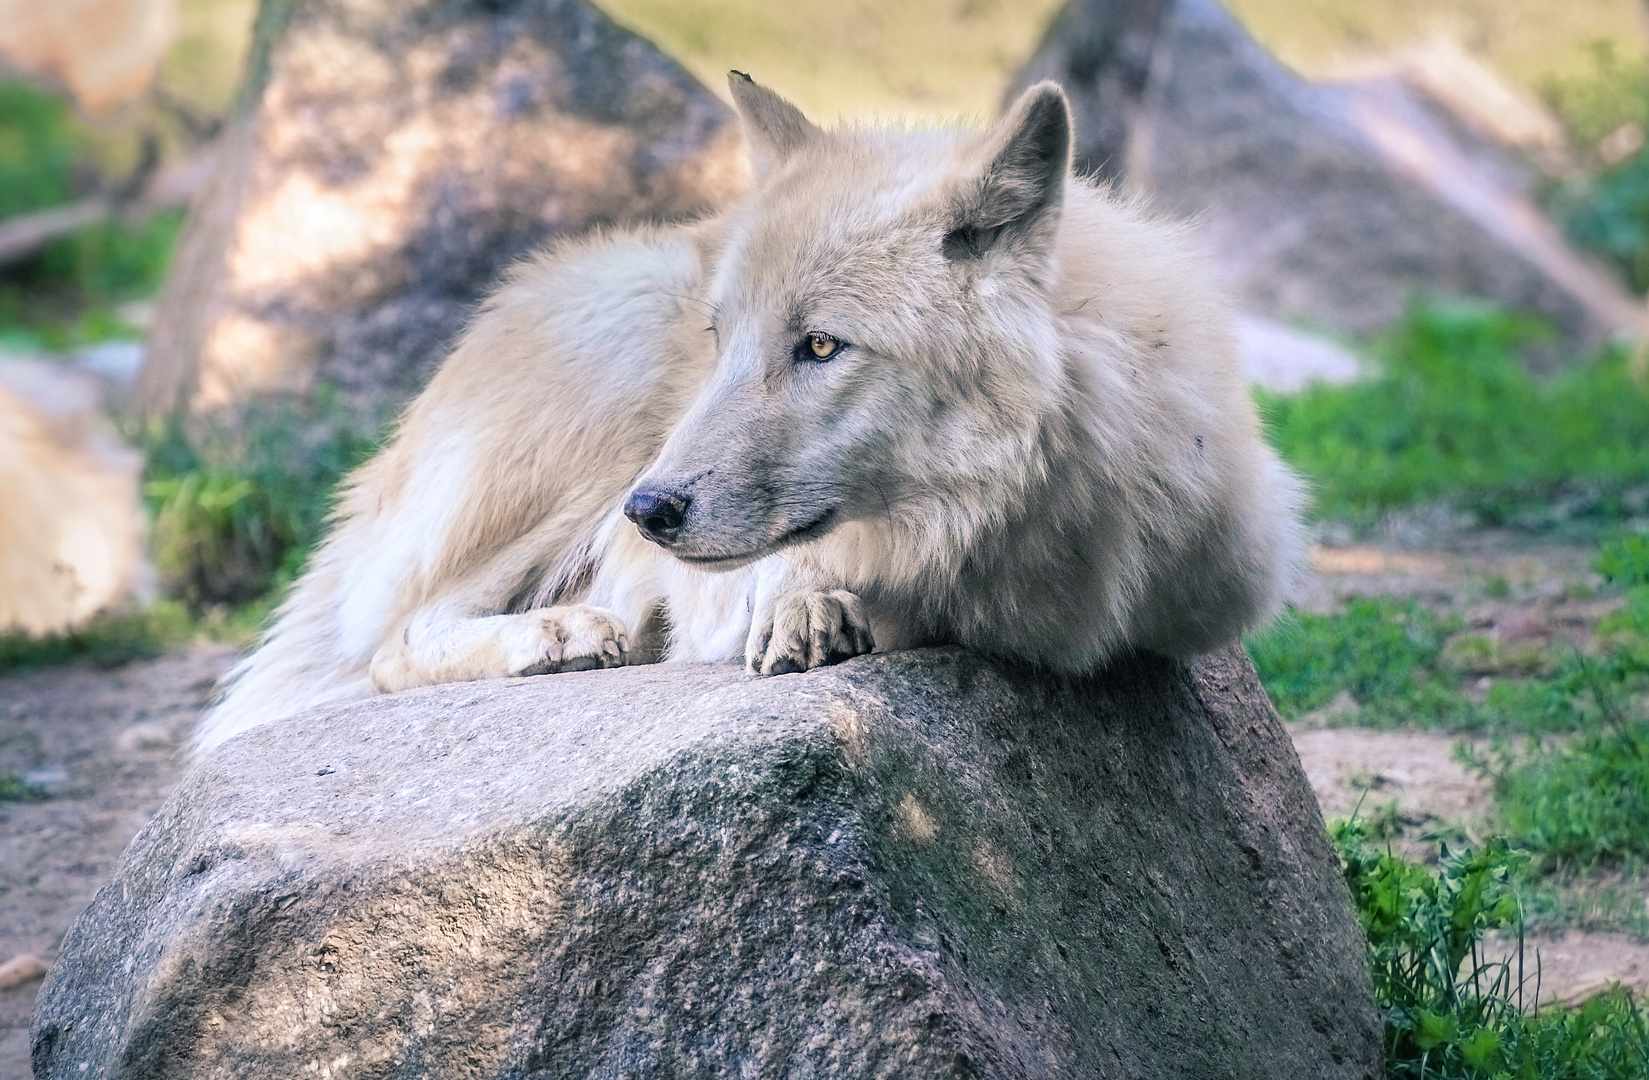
[[885, 341]]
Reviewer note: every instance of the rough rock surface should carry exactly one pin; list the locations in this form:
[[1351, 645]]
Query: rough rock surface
[[391, 159], [1331, 204], [915, 864]]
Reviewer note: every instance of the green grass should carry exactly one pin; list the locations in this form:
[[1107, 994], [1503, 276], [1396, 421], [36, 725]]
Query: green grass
[[1451, 1010], [1455, 417], [1611, 90], [64, 295], [1574, 791], [107, 640], [39, 149], [1584, 801], [1580, 804], [1606, 209], [236, 512], [1403, 664], [1557, 898], [1386, 654], [1608, 214]]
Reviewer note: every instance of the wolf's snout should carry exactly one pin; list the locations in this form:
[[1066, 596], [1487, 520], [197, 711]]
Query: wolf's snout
[[658, 514]]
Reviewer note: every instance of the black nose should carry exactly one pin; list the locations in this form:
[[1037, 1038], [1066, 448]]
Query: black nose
[[657, 513]]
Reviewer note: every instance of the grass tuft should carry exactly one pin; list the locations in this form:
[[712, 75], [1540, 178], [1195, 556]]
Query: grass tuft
[[107, 640], [1450, 1008], [1455, 417], [236, 512], [1386, 654], [1584, 801]]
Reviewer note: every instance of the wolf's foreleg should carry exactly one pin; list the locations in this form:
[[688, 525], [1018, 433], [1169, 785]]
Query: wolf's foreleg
[[797, 625], [440, 645]]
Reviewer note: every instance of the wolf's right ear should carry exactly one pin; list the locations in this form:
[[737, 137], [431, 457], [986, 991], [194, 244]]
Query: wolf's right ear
[[774, 128], [1021, 187]]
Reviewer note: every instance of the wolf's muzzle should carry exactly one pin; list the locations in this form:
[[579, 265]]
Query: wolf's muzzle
[[658, 514]]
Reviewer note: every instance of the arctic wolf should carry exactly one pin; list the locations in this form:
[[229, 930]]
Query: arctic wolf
[[913, 387]]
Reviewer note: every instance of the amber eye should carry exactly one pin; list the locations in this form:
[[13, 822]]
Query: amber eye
[[822, 346]]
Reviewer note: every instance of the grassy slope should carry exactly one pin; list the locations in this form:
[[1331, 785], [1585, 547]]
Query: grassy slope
[[927, 58], [1527, 41], [946, 57]]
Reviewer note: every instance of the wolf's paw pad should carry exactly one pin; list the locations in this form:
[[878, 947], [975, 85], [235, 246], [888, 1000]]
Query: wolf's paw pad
[[576, 638], [810, 630]]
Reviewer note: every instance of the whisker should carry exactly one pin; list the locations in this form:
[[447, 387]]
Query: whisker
[[705, 304]]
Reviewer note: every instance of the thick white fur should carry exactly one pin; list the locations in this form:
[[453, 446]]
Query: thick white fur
[[1034, 441]]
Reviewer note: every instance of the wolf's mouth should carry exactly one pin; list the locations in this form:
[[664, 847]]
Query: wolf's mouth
[[800, 535]]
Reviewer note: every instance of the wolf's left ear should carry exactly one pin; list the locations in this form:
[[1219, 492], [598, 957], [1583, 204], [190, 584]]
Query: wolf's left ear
[[774, 128], [1023, 182]]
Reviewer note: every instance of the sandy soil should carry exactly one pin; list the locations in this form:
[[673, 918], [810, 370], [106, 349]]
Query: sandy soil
[[1352, 769]]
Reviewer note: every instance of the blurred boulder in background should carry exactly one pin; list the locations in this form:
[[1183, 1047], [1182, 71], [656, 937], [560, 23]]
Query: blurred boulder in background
[[104, 52], [1101, 52], [388, 161], [70, 527], [1328, 204]]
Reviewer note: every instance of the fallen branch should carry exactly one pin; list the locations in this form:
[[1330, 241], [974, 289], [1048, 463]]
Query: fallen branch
[[23, 237]]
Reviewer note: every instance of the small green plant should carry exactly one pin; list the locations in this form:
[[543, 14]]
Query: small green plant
[[1450, 1008], [236, 511], [1454, 416]]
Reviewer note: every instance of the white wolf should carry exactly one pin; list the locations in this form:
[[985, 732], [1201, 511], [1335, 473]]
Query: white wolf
[[913, 387]]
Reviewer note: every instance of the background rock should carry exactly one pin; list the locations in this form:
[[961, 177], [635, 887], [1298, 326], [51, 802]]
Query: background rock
[[908, 865], [1328, 204], [1101, 52], [70, 523], [390, 159]]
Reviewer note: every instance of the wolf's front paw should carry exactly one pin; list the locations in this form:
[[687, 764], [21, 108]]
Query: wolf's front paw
[[809, 630], [570, 638]]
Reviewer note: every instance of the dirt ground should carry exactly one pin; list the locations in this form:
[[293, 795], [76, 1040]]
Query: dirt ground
[[106, 743]]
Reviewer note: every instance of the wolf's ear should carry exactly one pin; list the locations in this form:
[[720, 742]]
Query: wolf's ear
[[774, 128], [1019, 190]]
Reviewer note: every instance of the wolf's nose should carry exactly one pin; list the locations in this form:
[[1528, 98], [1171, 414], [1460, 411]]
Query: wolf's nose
[[658, 514]]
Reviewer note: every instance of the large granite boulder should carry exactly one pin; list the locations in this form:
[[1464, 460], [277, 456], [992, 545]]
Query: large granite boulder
[[390, 159], [909, 865], [1330, 204]]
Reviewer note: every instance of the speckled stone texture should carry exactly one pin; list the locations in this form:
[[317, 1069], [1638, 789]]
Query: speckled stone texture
[[390, 160], [909, 865]]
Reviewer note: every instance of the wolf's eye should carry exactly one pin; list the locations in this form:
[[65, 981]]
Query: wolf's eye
[[817, 346]]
